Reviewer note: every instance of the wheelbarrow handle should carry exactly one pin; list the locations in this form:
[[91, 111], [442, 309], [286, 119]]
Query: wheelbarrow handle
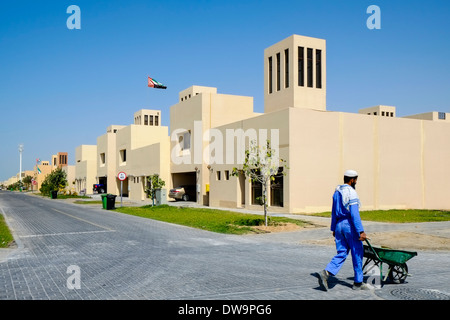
[[373, 250]]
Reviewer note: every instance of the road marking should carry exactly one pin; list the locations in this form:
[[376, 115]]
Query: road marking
[[64, 233], [94, 224]]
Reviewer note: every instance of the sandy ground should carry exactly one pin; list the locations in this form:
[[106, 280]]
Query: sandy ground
[[400, 241], [403, 240]]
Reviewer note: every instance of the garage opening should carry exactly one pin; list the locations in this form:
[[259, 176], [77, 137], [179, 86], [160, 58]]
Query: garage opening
[[187, 181], [124, 187]]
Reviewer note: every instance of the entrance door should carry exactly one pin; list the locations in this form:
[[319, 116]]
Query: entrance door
[[241, 187]]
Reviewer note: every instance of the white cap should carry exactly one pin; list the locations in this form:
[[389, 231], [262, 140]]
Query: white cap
[[350, 174]]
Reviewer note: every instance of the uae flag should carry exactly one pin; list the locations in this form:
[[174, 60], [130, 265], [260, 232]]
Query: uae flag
[[152, 83]]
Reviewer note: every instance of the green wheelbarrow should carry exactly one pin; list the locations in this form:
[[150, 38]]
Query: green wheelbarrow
[[395, 259]]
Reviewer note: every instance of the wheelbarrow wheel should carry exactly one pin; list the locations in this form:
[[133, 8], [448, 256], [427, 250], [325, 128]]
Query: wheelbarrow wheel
[[398, 273]]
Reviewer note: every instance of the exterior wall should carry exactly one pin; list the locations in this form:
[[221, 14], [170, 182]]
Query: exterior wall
[[70, 172], [294, 96], [147, 150], [401, 162], [435, 158], [200, 110], [85, 168], [106, 144], [46, 169], [236, 191]]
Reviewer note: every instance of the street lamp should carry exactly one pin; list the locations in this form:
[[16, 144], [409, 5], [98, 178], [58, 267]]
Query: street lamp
[[20, 173], [20, 153]]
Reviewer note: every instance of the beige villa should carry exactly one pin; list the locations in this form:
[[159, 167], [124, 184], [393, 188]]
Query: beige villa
[[140, 150], [402, 162]]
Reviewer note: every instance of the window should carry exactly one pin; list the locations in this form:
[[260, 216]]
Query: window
[[270, 75], [319, 69], [156, 120], [441, 115], [123, 155], [146, 120], [382, 113], [185, 140], [392, 114], [62, 159], [151, 120], [102, 159], [218, 175], [227, 174], [286, 68], [301, 66], [310, 67], [257, 196], [276, 189], [278, 72]]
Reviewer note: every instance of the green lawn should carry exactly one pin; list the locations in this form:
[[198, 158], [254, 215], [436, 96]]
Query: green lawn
[[400, 216], [5, 235], [207, 219]]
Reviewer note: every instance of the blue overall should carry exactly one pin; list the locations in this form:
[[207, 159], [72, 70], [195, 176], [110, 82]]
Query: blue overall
[[346, 224]]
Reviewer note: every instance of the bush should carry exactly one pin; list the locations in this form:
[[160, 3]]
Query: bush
[[55, 181]]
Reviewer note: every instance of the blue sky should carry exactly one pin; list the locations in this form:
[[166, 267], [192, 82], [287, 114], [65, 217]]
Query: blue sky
[[61, 88]]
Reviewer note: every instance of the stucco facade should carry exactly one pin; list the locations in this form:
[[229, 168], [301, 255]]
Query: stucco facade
[[140, 150], [200, 109], [85, 168], [401, 161]]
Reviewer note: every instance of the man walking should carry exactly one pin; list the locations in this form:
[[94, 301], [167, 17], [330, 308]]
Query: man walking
[[348, 232]]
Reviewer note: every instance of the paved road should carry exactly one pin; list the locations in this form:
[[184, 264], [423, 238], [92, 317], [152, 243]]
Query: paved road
[[69, 251]]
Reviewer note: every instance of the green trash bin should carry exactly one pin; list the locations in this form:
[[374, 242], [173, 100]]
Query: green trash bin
[[54, 194], [103, 200]]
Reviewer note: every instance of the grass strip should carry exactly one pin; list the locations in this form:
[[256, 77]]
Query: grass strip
[[400, 216], [215, 220], [5, 234]]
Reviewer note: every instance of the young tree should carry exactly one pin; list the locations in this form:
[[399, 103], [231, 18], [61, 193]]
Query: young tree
[[155, 183], [55, 181], [27, 181], [261, 164]]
